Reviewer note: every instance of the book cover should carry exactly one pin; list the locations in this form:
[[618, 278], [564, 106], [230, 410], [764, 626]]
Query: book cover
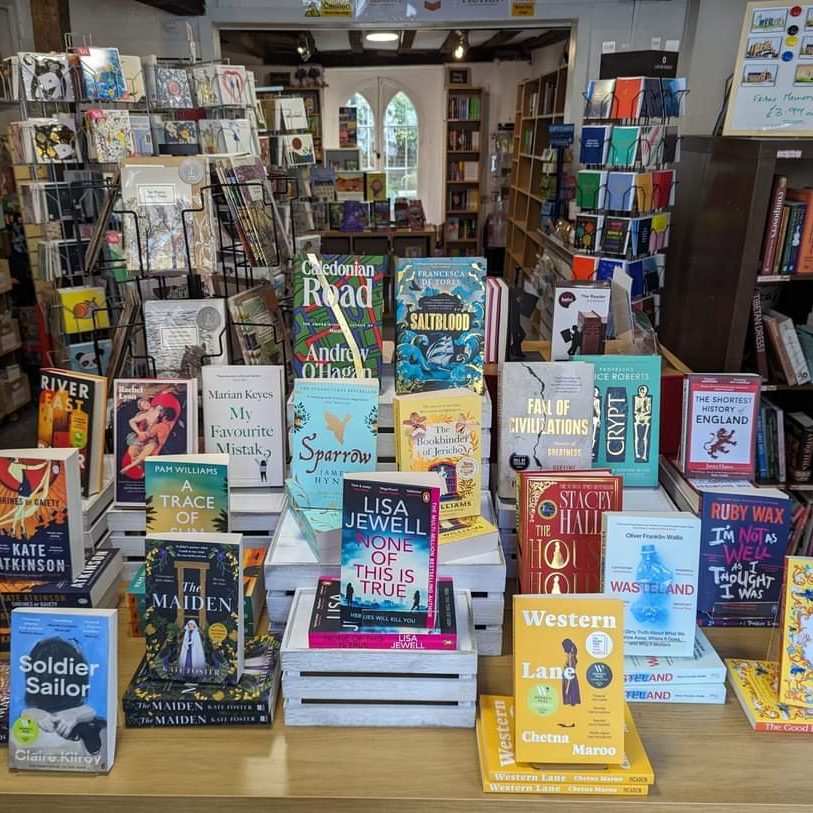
[[82, 356], [615, 235], [573, 301], [623, 191], [151, 417], [333, 433], [258, 323], [628, 97], [719, 425], [624, 146], [230, 85], [45, 77], [796, 652], [40, 515], [375, 186], [63, 690], [568, 679], [703, 666], [591, 189], [804, 264], [626, 416], [595, 144], [744, 538], [441, 432], [651, 563], [194, 613], [546, 419], [187, 493], [559, 529], [110, 135], [101, 73], [172, 88], [243, 418], [770, 240], [651, 145], [693, 693], [298, 150], [181, 132], [337, 319], [133, 79], [587, 232], [55, 140], [600, 98], [440, 324]]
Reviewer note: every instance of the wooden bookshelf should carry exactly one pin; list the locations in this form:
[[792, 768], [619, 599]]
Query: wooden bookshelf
[[540, 102], [464, 192]]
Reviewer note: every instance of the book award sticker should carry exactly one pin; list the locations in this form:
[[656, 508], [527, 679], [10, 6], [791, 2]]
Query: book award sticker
[[208, 319], [599, 675], [599, 644], [467, 468], [218, 633], [191, 171], [25, 730], [787, 56], [519, 462], [543, 700]]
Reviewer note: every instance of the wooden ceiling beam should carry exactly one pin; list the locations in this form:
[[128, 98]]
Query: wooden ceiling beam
[[500, 38], [181, 8], [407, 40], [356, 42]]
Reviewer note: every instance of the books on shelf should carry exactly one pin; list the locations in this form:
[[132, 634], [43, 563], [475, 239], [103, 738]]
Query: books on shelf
[[259, 326], [786, 348], [464, 107]]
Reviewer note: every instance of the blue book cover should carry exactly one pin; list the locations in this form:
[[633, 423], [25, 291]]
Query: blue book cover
[[651, 563], [595, 143], [674, 96], [626, 416], [607, 266], [640, 234], [440, 324], [620, 191], [82, 357], [63, 692], [744, 537], [334, 432], [653, 98]]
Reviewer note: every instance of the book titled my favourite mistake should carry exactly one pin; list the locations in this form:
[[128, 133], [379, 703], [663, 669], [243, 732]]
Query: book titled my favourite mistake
[[389, 548]]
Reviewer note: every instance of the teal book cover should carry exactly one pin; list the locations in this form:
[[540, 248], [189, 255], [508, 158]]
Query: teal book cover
[[624, 146], [626, 422], [334, 432]]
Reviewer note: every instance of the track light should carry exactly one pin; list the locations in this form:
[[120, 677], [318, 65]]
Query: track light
[[303, 48], [462, 45], [381, 36]]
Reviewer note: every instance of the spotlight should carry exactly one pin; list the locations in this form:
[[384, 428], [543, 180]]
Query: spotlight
[[303, 48], [381, 36], [462, 45]]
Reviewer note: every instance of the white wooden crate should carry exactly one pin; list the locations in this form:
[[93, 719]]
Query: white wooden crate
[[381, 715], [95, 533], [95, 506]]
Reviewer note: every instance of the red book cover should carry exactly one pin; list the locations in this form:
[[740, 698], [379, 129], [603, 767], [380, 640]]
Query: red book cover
[[771, 238], [671, 413], [628, 97], [559, 529], [662, 183]]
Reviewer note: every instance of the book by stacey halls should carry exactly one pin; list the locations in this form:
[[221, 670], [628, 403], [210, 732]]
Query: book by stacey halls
[[389, 549], [64, 693]]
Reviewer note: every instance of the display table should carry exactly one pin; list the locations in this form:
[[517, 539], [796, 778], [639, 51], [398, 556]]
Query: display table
[[706, 758]]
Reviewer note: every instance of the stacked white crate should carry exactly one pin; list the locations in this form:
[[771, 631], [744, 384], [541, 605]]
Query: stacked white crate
[[95, 529]]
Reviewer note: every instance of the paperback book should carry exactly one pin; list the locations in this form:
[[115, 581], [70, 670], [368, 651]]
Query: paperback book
[[580, 313], [703, 666], [796, 651], [45, 77], [692, 693]]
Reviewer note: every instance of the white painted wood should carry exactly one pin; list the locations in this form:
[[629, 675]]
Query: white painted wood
[[379, 714], [129, 568], [126, 519], [96, 531], [131, 544], [378, 687], [489, 640], [509, 541]]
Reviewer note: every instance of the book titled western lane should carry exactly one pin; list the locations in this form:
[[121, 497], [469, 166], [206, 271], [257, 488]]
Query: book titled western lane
[[389, 549]]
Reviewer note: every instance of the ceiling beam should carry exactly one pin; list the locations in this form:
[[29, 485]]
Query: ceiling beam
[[500, 38], [449, 43], [550, 37], [181, 8], [356, 42], [407, 40]]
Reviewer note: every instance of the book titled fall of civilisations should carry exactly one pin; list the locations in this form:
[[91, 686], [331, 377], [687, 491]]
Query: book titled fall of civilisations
[[389, 548], [194, 607], [796, 655]]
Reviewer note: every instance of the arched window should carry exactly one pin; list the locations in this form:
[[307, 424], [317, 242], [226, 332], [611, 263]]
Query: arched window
[[365, 130], [401, 147]]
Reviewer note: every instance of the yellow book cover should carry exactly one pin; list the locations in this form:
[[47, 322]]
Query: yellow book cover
[[83, 308], [375, 186], [796, 656], [569, 679], [458, 530], [440, 432]]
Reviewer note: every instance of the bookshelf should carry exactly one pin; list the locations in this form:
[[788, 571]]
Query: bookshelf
[[540, 101], [464, 193]]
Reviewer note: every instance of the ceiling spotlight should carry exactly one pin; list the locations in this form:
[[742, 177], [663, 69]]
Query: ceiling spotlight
[[381, 36], [462, 45], [303, 48]]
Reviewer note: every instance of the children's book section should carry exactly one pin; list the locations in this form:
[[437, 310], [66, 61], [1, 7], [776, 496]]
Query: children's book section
[[379, 501]]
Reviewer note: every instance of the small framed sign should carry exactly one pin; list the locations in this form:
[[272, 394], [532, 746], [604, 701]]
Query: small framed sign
[[458, 76]]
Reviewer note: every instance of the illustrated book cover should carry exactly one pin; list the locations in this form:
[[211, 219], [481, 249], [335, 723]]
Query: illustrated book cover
[[102, 77], [580, 313], [796, 653], [45, 77], [259, 326], [83, 308], [110, 135]]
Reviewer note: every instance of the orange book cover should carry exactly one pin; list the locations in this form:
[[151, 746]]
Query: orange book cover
[[628, 97], [643, 192], [584, 267], [804, 263]]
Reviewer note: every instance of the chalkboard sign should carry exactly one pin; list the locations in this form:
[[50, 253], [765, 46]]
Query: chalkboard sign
[[772, 88]]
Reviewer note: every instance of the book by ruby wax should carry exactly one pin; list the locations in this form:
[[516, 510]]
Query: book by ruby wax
[[568, 679], [440, 324], [194, 623], [333, 433], [704, 666], [338, 307], [559, 529], [64, 694], [328, 630], [389, 549], [187, 493], [40, 515], [720, 415], [743, 540], [796, 652], [651, 563]]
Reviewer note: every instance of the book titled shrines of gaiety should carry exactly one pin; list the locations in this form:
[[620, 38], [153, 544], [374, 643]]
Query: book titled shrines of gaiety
[[389, 549], [194, 609], [333, 433], [796, 651], [626, 416], [720, 415], [64, 693], [651, 563], [568, 679], [187, 493], [546, 419], [440, 324], [743, 540], [243, 418], [440, 431], [151, 418], [338, 307], [40, 514]]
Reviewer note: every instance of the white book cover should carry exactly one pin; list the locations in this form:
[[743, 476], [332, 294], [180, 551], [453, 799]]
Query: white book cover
[[652, 562], [579, 310], [289, 114], [700, 693], [793, 347], [243, 417], [704, 666]]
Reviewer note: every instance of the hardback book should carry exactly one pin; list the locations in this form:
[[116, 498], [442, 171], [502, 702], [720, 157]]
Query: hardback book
[[440, 324], [591, 189], [82, 356], [588, 232], [595, 144], [84, 308], [651, 563], [693, 693], [63, 690], [45, 77], [329, 630], [134, 79], [389, 548], [243, 418], [150, 702], [804, 262], [187, 493], [719, 425], [172, 88], [546, 419], [258, 323], [600, 98], [41, 525], [795, 676], [179, 328], [626, 416], [790, 346], [349, 185], [628, 97], [194, 614], [703, 666], [580, 313], [375, 186], [333, 433], [500, 767], [151, 417], [355, 216], [624, 146], [770, 240], [441, 432], [323, 184], [72, 414], [568, 679], [101, 74], [559, 529], [497, 297], [110, 138]]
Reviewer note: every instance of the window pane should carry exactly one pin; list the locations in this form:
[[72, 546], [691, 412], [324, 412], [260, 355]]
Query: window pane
[[365, 131], [401, 146]]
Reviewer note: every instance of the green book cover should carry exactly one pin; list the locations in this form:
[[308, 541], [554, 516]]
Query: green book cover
[[624, 146], [589, 186]]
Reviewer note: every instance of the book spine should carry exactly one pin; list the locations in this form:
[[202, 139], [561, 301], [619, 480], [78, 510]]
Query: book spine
[[728, 621], [760, 352], [231, 714], [686, 693], [781, 450], [762, 456], [50, 599], [780, 352], [773, 460], [780, 241], [380, 640], [774, 219], [433, 559], [572, 789], [675, 677], [794, 232]]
